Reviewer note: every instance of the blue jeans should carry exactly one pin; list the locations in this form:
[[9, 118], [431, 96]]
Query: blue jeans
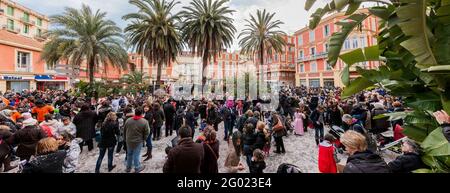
[[100, 158], [248, 155], [148, 142], [228, 124], [319, 133], [134, 156]]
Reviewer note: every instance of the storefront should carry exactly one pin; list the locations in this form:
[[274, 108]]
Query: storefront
[[51, 82], [314, 83], [16, 83], [328, 82]]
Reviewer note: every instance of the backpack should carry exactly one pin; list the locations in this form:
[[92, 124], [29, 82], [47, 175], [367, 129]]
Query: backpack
[[288, 169]]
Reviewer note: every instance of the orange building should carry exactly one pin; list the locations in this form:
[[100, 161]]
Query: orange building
[[21, 43], [312, 51], [279, 67]]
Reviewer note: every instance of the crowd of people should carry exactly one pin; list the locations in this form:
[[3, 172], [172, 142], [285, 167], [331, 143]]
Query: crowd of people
[[47, 130]]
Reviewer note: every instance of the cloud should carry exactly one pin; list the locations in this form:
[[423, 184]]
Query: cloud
[[291, 12]]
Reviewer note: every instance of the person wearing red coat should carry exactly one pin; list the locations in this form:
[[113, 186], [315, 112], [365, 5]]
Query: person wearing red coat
[[327, 161]]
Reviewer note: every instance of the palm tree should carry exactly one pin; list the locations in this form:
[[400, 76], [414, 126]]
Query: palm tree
[[136, 80], [154, 32], [81, 35], [261, 36], [207, 29]]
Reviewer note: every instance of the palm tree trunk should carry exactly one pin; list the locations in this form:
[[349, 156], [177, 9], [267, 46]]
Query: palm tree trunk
[[205, 64], [91, 70], [158, 75], [261, 67], [142, 64]]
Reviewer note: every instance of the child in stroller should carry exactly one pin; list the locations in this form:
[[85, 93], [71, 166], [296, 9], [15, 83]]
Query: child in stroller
[[337, 132]]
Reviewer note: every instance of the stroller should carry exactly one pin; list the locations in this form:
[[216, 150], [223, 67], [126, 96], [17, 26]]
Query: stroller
[[173, 143], [288, 169], [337, 132]]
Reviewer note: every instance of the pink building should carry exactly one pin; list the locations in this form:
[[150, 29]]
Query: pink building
[[312, 51]]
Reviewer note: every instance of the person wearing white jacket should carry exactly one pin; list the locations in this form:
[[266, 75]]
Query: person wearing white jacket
[[73, 150]]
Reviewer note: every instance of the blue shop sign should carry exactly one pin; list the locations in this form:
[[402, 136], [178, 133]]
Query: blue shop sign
[[43, 77], [12, 77]]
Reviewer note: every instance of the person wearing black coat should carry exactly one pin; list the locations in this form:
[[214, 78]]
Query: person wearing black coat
[[5, 148], [379, 125], [261, 139], [48, 163], [249, 140], [212, 116], [169, 114], [278, 135], [211, 148], [190, 119], [109, 131], [85, 122], [48, 160], [148, 115], [157, 122], [179, 120], [318, 119], [27, 138], [361, 160], [409, 161], [366, 162]]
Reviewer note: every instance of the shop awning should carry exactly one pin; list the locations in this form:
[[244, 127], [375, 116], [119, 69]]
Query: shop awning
[[51, 78]]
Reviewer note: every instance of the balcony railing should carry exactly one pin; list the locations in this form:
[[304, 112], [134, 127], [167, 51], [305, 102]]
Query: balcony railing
[[14, 30], [28, 69], [313, 57], [27, 20], [40, 37]]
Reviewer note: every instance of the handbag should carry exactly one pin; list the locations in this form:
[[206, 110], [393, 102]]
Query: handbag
[[279, 126]]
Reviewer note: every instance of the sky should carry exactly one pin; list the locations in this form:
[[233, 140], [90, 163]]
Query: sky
[[291, 12]]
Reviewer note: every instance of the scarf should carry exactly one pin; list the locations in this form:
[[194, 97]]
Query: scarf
[[137, 117]]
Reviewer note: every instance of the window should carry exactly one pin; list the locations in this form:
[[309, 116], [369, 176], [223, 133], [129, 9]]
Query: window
[[325, 47], [363, 41], [26, 29], [374, 41], [326, 30], [276, 58], [314, 83], [23, 60], [374, 24], [10, 24], [39, 32], [347, 44], [300, 40], [283, 58], [313, 51], [355, 42], [300, 54], [10, 11], [291, 49], [311, 36], [39, 22], [328, 66], [302, 68], [26, 17], [313, 67]]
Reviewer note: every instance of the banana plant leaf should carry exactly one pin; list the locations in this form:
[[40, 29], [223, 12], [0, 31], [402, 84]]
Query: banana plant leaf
[[337, 39], [309, 4], [414, 24], [392, 116], [436, 144], [356, 86]]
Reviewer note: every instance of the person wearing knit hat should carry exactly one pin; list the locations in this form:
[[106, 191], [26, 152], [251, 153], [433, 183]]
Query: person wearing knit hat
[[30, 122], [26, 116]]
